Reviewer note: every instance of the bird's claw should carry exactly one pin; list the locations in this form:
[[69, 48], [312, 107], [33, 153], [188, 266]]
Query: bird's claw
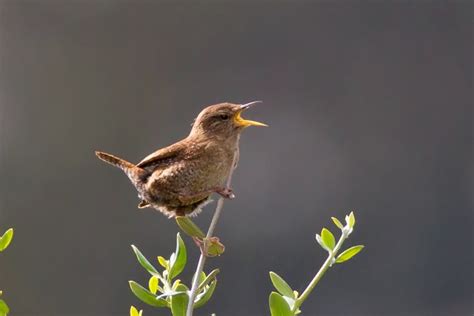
[[226, 193]]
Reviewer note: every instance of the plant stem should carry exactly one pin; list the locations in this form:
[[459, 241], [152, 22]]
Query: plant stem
[[210, 232], [326, 265]]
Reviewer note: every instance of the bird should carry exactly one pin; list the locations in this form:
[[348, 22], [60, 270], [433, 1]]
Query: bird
[[179, 179]]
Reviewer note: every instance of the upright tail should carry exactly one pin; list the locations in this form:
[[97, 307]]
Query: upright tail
[[136, 174]]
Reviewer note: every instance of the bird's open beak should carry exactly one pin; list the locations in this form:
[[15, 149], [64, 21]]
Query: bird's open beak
[[239, 121]]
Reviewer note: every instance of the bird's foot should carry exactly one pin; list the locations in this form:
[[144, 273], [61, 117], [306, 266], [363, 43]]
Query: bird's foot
[[191, 198], [225, 193]]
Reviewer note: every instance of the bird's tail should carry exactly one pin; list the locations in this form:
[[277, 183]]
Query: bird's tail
[[136, 174]]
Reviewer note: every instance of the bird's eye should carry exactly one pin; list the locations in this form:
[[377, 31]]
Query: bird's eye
[[224, 117]]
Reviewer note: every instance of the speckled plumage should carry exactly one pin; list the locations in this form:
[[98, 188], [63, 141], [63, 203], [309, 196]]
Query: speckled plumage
[[179, 179]]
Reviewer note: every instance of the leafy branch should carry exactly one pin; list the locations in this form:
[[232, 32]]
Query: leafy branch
[[286, 301], [5, 241], [164, 290]]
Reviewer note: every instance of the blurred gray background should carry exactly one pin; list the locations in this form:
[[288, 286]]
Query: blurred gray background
[[370, 109]]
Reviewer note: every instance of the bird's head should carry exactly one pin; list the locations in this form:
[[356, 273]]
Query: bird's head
[[223, 120]]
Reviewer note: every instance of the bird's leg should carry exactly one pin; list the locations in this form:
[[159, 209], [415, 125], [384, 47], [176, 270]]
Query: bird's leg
[[191, 198], [225, 192]]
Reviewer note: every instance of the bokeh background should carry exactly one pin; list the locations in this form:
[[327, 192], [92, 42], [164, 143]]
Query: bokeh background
[[370, 109]]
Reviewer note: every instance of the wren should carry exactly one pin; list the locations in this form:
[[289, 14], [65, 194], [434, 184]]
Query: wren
[[178, 180]]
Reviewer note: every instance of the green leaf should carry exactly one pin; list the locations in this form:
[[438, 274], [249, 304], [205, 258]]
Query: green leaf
[[328, 238], [207, 279], [153, 284], [163, 262], [321, 243], [281, 285], [352, 220], [6, 239], [4, 310], [203, 297], [135, 312], [179, 302], [178, 262], [202, 276], [188, 226], [146, 296], [175, 284], [278, 305], [349, 253], [337, 223], [145, 263], [291, 301]]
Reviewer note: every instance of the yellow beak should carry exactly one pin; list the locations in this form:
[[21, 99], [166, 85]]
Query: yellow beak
[[239, 121]]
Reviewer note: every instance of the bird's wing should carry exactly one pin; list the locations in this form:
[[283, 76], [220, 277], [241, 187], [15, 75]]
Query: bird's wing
[[163, 156]]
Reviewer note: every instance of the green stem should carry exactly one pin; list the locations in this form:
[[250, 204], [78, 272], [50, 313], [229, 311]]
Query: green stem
[[326, 265]]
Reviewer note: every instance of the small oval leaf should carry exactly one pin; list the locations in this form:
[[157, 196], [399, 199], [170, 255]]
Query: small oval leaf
[[179, 302], [281, 285], [4, 310], [328, 238], [321, 242], [337, 223], [188, 226], [153, 284], [163, 262], [178, 262], [133, 311], [146, 296], [278, 305], [206, 295], [207, 279], [291, 301], [352, 220], [6, 239], [202, 276], [144, 262], [349, 253], [175, 284]]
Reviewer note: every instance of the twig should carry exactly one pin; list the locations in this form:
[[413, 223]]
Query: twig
[[326, 265], [210, 232]]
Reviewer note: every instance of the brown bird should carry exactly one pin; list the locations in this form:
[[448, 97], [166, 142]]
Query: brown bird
[[179, 179]]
